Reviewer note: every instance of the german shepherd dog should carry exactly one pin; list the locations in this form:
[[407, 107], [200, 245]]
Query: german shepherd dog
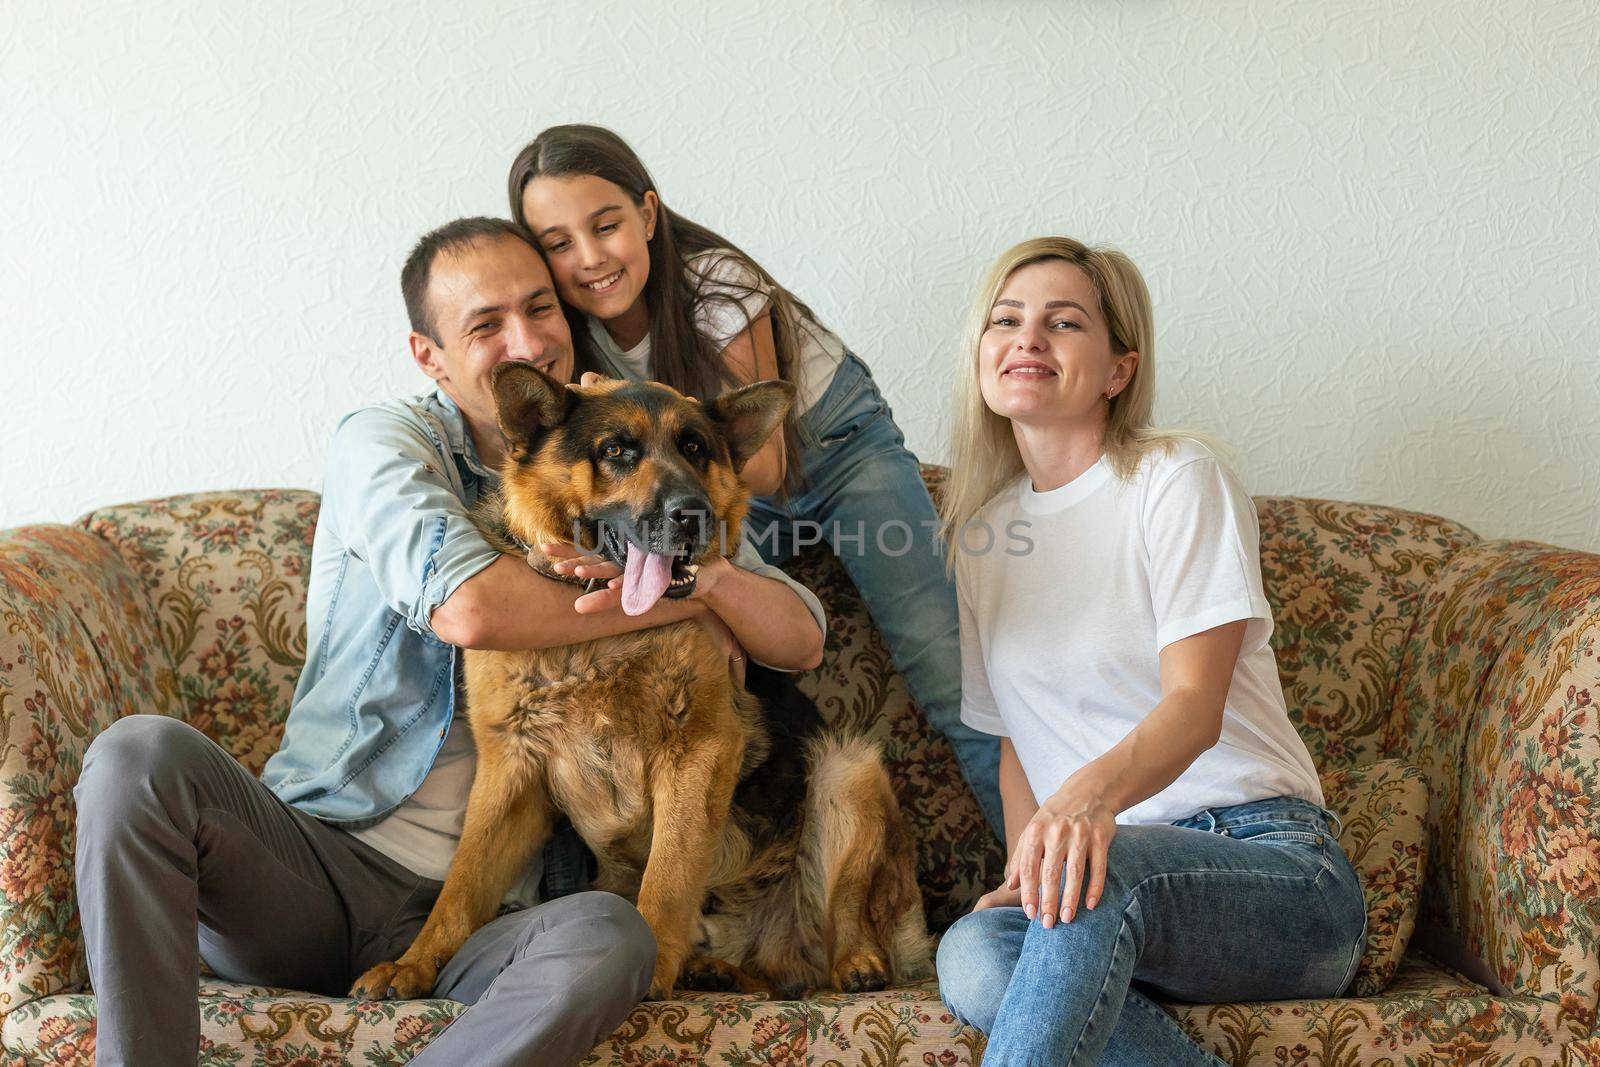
[[766, 855]]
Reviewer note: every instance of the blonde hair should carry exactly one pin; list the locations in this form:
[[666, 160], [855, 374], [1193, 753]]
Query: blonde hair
[[984, 454]]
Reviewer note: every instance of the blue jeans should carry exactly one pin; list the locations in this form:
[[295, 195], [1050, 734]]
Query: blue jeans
[[864, 495], [1250, 902]]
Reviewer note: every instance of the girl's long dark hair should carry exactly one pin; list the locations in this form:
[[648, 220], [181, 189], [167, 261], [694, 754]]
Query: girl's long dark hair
[[680, 355]]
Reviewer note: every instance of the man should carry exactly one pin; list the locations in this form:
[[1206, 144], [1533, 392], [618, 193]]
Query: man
[[331, 862]]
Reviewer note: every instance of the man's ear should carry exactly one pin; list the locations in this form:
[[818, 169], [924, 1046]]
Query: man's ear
[[424, 351], [527, 402], [748, 416]]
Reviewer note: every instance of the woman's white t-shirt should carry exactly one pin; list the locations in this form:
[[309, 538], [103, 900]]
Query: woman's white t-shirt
[[737, 298], [1063, 618]]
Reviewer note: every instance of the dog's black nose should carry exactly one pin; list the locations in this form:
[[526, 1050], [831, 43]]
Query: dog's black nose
[[687, 513]]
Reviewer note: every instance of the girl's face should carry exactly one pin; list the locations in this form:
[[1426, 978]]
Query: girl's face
[[1045, 355], [595, 239]]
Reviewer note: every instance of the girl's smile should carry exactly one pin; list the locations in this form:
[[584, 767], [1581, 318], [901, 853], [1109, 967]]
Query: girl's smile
[[596, 238]]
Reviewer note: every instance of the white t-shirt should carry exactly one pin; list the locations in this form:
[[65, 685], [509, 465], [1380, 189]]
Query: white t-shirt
[[1063, 618], [721, 320], [422, 834]]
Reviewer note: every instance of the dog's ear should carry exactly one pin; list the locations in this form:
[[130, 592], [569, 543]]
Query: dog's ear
[[747, 417], [528, 402]]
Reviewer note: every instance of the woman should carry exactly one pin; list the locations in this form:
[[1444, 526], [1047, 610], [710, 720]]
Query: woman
[[652, 295], [1163, 821]]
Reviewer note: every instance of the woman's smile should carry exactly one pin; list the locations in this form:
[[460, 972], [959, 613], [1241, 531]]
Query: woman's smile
[[1027, 370]]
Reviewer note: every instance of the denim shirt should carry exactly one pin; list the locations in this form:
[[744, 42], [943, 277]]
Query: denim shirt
[[394, 539]]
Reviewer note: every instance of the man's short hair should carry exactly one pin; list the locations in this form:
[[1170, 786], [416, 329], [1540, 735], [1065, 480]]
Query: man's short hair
[[451, 237]]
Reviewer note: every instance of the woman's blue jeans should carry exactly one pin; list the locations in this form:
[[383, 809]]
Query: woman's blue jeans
[[864, 496], [1250, 902]]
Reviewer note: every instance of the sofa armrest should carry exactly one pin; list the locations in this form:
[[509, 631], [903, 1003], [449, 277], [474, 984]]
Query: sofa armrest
[[79, 648], [1497, 707]]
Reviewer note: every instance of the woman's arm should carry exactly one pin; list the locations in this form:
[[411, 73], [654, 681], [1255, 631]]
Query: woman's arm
[[752, 356], [1017, 806], [1075, 825]]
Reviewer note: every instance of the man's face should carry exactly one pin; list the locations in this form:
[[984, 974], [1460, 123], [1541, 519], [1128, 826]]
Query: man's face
[[490, 302]]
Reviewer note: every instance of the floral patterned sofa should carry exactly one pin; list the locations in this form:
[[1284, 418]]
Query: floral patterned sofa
[[1443, 683]]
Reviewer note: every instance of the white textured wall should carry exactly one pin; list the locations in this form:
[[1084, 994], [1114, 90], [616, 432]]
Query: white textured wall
[[1371, 229]]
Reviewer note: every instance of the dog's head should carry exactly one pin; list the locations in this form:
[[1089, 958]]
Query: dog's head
[[633, 471]]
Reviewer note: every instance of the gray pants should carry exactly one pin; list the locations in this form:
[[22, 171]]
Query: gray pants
[[182, 853]]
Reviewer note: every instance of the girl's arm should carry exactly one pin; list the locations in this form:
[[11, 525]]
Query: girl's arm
[[1075, 825], [752, 356]]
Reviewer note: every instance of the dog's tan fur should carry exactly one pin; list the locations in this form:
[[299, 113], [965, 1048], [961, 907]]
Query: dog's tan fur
[[642, 738]]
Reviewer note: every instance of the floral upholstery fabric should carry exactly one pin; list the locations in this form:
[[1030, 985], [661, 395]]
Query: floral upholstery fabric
[[1345, 582], [1399, 637], [1428, 1015], [78, 650], [227, 575], [1496, 707], [1381, 808]]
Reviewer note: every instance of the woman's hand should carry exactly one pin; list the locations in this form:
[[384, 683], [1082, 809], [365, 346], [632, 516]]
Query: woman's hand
[[1072, 829], [1004, 897]]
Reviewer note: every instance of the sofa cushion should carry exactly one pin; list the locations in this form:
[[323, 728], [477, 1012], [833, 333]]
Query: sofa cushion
[[1428, 1015], [246, 1025], [1381, 808]]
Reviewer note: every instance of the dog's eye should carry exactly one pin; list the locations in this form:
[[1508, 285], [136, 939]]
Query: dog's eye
[[612, 451], [691, 448]]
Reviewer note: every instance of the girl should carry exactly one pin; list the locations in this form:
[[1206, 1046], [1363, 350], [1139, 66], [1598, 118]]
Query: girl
[[1123, 661], [650, 294]]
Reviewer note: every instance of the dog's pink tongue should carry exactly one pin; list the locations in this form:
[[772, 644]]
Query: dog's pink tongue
[[644, 578]]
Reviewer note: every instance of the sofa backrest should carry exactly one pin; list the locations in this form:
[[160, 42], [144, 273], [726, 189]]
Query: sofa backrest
[[1369, 602], [226, 575], [1496, 706], [1345, 582]]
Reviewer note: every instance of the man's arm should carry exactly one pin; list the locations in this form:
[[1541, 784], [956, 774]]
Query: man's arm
[[508, 605], [775, 619]]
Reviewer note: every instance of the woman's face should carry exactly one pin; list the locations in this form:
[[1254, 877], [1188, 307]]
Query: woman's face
[[1045, 354], [595, 239]]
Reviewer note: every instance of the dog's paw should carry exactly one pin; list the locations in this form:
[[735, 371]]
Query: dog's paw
[[668, 967], [707, 975], [860, 972], [395, 981]]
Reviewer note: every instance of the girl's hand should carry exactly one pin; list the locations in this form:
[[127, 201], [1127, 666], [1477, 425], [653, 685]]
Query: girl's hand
[[569, 559], [1004, 897], [726, 643], [1074, 830], [709, 576], [592, 378]]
